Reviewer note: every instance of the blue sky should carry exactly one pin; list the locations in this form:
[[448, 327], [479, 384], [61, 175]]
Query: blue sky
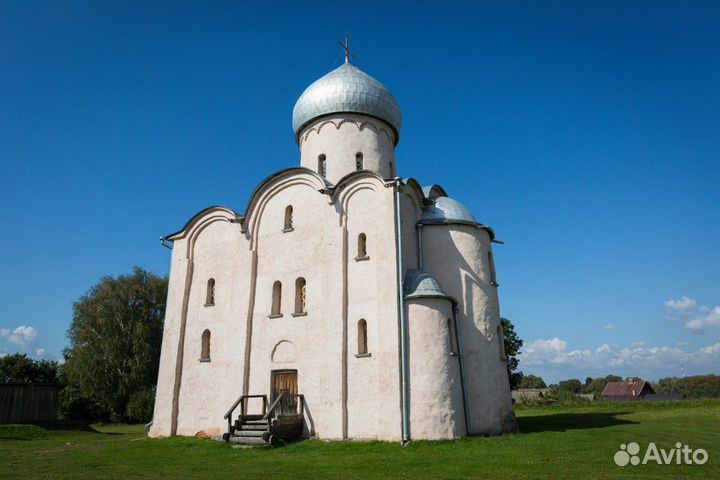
[[586, 133]]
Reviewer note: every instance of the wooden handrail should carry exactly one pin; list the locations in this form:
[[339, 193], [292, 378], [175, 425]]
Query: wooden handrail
[[244, 397], [234, 406], [272, 407], [302, 403]]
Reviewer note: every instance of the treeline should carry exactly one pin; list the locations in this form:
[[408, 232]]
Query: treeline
[[111, 366], [573, 385], [697, 386]]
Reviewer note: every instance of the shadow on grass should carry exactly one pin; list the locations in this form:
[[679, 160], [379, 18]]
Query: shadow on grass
[[571, 421], [65, 426], [35, 430]]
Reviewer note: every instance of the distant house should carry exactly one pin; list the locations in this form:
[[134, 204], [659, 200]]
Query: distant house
[[524, 395], [627, 390]]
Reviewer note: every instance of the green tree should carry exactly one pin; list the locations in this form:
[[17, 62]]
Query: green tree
[[512, 344], [19, 368], [115, 339], [573, 385], [532, 381]]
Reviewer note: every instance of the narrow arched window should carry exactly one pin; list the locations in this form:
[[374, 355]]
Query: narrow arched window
[[288, 225], [452, 337], [491, 263], [300, 295], [276, 298], [210, 294], [362, 337], [205, 348], [359, 161], [362, 246], [392, 169], [322, 165], [501, 342]]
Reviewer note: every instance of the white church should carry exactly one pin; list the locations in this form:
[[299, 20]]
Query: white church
[[345, 302]]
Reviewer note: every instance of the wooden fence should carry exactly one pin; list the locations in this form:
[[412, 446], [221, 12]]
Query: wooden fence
[[28, 402]]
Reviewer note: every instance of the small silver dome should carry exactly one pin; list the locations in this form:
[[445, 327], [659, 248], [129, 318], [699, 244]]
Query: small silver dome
[[422, 284], [347, 89], [447, 210]]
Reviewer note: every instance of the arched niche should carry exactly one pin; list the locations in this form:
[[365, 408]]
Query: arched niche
[[284, 352]]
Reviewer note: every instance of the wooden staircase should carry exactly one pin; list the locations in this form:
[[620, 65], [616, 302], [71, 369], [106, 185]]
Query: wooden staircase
[[283, 420]]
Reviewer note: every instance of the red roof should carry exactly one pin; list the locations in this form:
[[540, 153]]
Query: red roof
[[625, 389]]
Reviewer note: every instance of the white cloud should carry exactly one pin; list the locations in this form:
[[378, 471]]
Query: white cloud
[[647, 358], [699, 323], [551, 359], [686, 307], [553, 351], [21, 336], [638, 343], [25, 337], [540, 351], [552, 345], [682, 306], [575, 355], [604, 348], [711, 350], [609, 326]]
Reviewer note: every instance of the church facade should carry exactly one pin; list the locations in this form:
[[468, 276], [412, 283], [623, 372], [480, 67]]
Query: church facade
[[371, 296]]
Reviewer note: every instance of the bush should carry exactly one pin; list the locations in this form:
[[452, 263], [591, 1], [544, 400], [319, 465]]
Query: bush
[[561, 396], [140, 406], [75, 405]]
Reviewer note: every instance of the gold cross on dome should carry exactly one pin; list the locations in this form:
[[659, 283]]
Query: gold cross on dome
[[346, 47]]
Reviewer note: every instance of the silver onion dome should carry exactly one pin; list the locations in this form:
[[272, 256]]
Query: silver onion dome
[[347, 89]]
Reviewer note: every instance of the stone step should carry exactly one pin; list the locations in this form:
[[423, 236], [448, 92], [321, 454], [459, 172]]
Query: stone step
[[254, 422], [248, 440], [251, 422], [251, 428], [249, 433], [250, 417]]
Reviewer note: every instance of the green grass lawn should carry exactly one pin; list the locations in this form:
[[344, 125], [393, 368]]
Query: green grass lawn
[[556, 442]]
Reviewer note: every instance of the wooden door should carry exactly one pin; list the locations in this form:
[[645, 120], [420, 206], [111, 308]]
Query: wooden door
[[285, 381]]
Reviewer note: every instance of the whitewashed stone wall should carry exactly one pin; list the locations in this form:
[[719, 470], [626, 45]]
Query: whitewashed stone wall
[[465, 248], [341, 137], [436, 404]]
